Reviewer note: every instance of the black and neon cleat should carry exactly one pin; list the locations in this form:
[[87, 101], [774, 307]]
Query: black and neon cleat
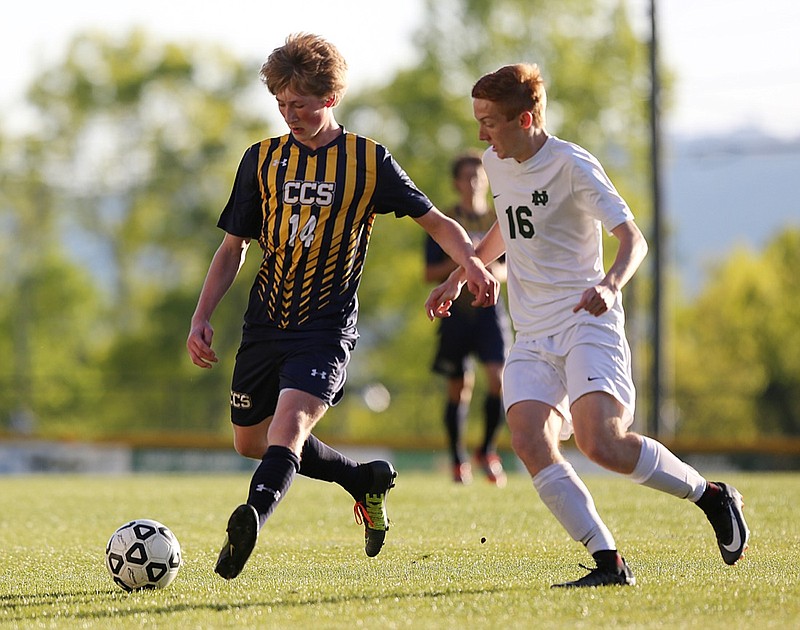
[[371, 510]]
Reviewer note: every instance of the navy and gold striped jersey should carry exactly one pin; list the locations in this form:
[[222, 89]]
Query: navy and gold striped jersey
[[312, 212]]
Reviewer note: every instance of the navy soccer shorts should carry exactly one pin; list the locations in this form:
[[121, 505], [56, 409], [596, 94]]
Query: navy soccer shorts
[[316, 365], [482, 332]]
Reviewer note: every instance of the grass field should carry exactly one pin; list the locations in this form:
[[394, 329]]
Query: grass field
[[309, 569]]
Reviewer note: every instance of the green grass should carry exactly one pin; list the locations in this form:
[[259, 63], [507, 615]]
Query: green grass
[[309, 569]]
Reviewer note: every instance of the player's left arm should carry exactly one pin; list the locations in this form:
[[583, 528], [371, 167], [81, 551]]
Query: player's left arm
[[457, 244], [630, 254]]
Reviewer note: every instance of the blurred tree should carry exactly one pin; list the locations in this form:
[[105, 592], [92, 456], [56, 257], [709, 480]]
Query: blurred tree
[[597, 91], [738, 369], [143, 136], [50, 313], [128, 165], [53, 352]]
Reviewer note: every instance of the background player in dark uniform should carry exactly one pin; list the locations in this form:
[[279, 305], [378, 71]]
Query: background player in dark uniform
[[309, 198], [468, 332]]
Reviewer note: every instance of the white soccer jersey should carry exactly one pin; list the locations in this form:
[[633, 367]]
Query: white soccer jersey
[[551, 209]]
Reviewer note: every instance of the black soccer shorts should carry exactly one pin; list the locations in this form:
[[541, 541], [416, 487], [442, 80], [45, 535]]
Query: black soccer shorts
[[314, 364]]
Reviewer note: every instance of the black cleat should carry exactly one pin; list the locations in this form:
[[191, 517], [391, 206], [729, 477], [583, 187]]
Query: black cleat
[[242, 536], [729, 525], [371, 511], [621, 576]]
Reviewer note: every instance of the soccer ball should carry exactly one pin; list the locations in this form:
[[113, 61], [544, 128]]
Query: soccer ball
[[143, 554]]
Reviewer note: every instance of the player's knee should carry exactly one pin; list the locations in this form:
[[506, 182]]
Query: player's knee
[[249, 448], [601, 452], [592, 450]]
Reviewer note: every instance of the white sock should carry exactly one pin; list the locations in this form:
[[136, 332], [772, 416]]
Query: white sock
[[568, 498], [660, 469]]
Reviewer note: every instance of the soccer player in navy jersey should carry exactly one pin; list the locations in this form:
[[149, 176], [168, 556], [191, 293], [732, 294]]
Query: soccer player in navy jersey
[[309, 198], [470, 332], [569, 369]]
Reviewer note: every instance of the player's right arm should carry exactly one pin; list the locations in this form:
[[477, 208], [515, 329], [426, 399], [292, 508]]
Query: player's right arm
[[225, 265]]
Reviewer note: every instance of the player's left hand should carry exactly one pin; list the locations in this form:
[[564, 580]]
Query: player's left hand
[[596, 300]]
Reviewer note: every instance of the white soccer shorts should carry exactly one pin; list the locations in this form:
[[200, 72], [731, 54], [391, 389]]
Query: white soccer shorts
[[556, 370]]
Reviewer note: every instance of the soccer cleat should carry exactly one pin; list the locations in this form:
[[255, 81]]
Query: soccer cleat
[[729, 525], [371, 511], [462, 473], [492, 467], [621, 576], [242, 536]]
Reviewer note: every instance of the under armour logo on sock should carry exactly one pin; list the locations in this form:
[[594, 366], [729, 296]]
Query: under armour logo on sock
[[275, 493]]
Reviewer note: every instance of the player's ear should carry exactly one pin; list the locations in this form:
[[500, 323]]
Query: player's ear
[[526, 120], [331, 101]]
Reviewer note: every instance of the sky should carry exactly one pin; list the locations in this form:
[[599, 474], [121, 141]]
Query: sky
[[737, 65], [736, 62]]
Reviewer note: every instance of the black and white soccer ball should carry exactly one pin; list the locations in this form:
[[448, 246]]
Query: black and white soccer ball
[[143, 554]]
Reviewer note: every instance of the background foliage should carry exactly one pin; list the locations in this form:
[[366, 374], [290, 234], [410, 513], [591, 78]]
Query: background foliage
[[108, 204], [738, 369]]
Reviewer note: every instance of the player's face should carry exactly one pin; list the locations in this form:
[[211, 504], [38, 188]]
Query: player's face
[[309, 117], [507, 137]]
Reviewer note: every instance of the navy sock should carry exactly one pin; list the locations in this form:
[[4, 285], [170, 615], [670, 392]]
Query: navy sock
[[455, 418], [271, 481], [493, 416], [320, 461]]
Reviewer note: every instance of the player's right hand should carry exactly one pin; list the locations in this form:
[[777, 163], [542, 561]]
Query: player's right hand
[[199, 345]]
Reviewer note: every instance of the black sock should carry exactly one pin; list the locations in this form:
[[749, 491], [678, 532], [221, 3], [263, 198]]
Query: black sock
[[609, 560], [320, 461], [455, 417], [492, 413], [271, 480], [710, 499]]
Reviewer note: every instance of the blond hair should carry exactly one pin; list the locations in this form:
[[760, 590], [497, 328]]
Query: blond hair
[[306, 64]]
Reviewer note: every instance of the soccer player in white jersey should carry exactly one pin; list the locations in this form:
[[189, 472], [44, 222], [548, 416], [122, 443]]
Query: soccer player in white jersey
[[568, 371]]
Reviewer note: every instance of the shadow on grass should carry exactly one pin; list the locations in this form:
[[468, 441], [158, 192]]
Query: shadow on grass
[[20, 599], [20, 603]]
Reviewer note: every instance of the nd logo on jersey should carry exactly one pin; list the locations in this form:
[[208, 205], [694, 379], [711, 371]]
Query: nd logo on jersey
[[539, 198]]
